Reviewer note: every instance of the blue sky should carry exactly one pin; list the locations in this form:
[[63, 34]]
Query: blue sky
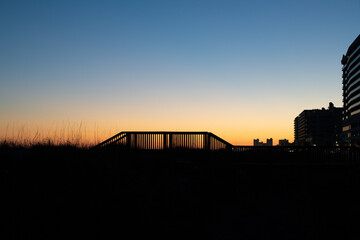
[[244, 69]]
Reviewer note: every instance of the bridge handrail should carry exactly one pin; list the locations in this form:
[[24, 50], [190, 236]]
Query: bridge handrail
[[298, 148], [108, 141], [221, 140], [125, 134]]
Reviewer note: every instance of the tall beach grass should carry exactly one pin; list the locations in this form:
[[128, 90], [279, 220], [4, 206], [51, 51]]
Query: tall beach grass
[[64, 134]]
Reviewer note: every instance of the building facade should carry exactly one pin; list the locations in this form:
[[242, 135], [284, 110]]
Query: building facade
[[318, 127], [284, 142], [351, 94], [269, 142]]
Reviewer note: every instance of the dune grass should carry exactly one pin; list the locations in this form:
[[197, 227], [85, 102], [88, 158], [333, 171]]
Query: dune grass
[[61, 134]]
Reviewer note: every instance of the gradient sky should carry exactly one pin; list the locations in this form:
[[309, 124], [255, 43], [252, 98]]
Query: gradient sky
[[240, 69]]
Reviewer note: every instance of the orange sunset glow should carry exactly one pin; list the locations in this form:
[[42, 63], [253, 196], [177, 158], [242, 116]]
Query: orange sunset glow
[[82, 73]]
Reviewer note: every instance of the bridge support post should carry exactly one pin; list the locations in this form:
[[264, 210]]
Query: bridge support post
[[128, 140], [206, 141], [164, 141], [170, 140]]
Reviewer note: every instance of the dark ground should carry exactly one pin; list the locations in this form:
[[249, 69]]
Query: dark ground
[[64, 192]]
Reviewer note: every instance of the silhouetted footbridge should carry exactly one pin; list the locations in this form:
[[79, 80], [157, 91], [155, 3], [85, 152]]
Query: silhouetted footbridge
[[167, 140], [162, 140]]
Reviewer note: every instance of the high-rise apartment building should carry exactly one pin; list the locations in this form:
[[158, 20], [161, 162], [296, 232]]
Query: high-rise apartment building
[[351, 94], [318, 127]]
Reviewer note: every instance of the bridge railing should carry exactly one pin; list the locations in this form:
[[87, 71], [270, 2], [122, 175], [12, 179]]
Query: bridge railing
[[327, 153], [118, 139], [155, 140], [167, 140]]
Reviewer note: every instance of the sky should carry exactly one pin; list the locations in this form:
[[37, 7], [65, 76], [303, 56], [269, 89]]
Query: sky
[[86, 70]]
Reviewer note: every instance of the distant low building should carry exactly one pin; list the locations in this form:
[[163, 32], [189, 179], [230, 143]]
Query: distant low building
[[318, 127], [284, 142], [269, 142]]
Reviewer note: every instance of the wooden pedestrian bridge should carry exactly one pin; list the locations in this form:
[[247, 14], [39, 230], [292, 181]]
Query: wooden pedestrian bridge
[[163, 140]]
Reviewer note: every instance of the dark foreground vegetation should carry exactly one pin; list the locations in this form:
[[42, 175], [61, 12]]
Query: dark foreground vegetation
[[66, 192]]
